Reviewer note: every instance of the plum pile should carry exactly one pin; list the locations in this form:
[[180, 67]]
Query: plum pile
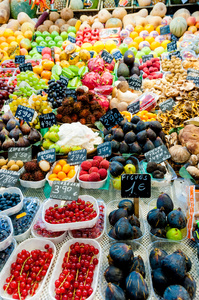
[[165, 221], [125, 274], [126, 226], [170, 274]]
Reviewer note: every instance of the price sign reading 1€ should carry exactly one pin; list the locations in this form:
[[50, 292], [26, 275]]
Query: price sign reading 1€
[[63, 190], [136, 186]]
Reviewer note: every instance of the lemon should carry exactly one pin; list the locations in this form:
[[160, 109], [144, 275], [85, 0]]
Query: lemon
[[110, 45]]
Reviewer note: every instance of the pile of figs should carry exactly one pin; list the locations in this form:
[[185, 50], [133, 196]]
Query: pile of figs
[[165, 221], [126, 226], [125, 274], [137, 136], [14, 133], [170, 275]]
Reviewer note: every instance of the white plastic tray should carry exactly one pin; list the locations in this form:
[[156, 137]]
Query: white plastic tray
[[4, 244], [70, 226], [29, 245], [16, 208], [55, 240], [58, 267], [32, 184]]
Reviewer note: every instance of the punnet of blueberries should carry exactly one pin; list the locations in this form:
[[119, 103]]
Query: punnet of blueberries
[[9, 200], [5, 229], [5, 254], [23, 219]]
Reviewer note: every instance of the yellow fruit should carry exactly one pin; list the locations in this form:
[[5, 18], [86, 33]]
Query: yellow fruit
[[57, 169], [4, 45], [71, 173], [47, 65], [155, 45], [55, 179], [8, 32], [138, 28], [164, 43], [19, 38], [14, 43], [61, 175], [138, 39], [87, 46], [66, 168], [133, 44], [110, 45], [28, 34], [134, 34], [98, 46], [62, 162], [18, 32], [10, 39], [52, 176], [65, 179]]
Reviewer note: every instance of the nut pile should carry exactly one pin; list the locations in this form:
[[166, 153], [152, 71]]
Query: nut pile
[[175, 67]]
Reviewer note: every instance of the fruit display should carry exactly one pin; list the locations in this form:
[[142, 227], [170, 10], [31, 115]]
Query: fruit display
[[34, 171], [5, 91], [165, 221], [5, 254], [61, 171], [158, 171], [93, 170], [9, 200], [5, 228]]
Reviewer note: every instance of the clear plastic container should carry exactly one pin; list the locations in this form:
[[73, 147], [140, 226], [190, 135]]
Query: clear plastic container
[[58, 266], [99, 238], [138, 249], [70, 226], [158, 183], [3, 255], [184, 231], [15, 209], [148, 101], [171, 247], [38, 217], [29, 245], [112, 205], [5, 243]]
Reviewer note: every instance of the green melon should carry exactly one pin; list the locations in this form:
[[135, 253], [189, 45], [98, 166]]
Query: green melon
[[178, 26], [18, 6]]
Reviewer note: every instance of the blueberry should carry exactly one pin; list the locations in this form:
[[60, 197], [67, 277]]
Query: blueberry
[[5, 254]]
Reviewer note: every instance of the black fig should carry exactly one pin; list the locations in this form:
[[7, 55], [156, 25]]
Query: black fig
[[112, 233], [119, 159], [138, 266], [7, 116], [130, 137], [162, 169], [148, 146], [111, 214], [134, 221], [136, 287], [157, 218], [160, 281], [116, 168], [123, 229], [174, 267], [187, 259], [22, 141], [3, 134], [25, 128], [140, 126], [8, 143], [177, 219], [190, 285], [141, 136], [127, 204], [137, 233], [176, 292], [159, 232], [12, 123], [14, 133], [2, 125], [115, 146], [162, 136], [34, 136], [121, 255], [108, 138], [158, 142], [155, 126], [155, 258], [118, 134], [118, 214], [135, 148], [124, 148], [114, 292], [135, 119], [165, 201], [128, 126], [151, 134], [114, 275]]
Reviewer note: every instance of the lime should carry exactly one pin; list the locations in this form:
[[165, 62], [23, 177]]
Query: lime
[[64, 35], [34, 44], [71, 29], [45, 34], [39, 39], [54, 34], [58, 39], [56, 70], [38, 33], [43, 43]]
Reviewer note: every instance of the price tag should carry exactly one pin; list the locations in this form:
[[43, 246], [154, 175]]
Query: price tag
[[136, 186], [158, 154], [40, 48], [146, 57], [24, 113], [133, 108], [25, 67], [64, 79], [176, 54], [72, 39], [8, 178], [135, 83], [172, 46], [71, 93], [167, 105], [77, 157], [64, 190], [47, 120], [174, 38], [192, 71], [194, 79], [104, 149], [48, 155], [92, 53], [111, 118], [184, 1], [107, 57], [165, 30], [117, 55], [20, 59], [20, 153]]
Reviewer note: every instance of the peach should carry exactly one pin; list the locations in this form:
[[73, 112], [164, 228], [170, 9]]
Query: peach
[[23, 51], [191, 21], [192, 29]]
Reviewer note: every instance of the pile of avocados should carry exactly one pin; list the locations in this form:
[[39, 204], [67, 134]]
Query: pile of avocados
[[128, 67]]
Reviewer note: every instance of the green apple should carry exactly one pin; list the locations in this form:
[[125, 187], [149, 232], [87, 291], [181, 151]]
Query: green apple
[[34, 44], [39, 39], [64, 35], [71, 29], [54, 34], [43, 43], [129, 169], [59, 44], [38, 33], [139, 54], [51, 44], [58, 39], [146, 50], [72, 34], [159, 51], [117, 183], [45, 34], [134, 50], [48, 39], [123, 48], [33, 51], [174, 234]]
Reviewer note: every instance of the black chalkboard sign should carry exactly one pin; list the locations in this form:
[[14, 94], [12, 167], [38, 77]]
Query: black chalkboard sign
[[92, 53], [176, 54], [20, 59], [136, 186], [40, 48], [194, 79], [76, 157], [20, 153], [135, 83], [134, 107], [48, 155], [117, 55], [111, 118], [165, 30], [158, 154], [104, 149], [189, 70], [24, 113], [167, 105], [64, 190], [8, 178], [47, 120], [172, 46], [146, 57], [25, 67], [72, 39], [107, 57], [174, 38]]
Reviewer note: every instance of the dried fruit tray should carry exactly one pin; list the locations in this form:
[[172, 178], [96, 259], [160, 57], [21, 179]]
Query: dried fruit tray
[[16, 208], [170, 247], [58, 267], [138, 249], [6, 243], [29, 245], [70, 226]]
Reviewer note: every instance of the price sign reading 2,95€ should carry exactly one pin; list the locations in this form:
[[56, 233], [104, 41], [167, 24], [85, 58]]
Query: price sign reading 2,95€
[[64, 190], [76, 157], [136, 186]]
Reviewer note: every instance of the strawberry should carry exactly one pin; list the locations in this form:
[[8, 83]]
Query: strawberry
[[151, 69], [144, 75], [149, 63], [146, 70]]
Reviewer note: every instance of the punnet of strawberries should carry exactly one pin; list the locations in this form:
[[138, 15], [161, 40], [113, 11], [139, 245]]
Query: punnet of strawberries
[[151, 69]]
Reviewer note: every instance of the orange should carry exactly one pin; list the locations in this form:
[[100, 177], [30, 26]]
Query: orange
[[62, 162], [8, 32], [37, 69], [71, 173], [164, 43], [155, 45], [149, 27], [158, 28], [2, 39], [57, 169], [134, 34], [138, 28], [66, 168], [133, 44], [149, 39], [47, 65], [65, 179], [46, 74], [61, 175], [4, 45], [55, 179], [138, 39], [52, 176], [10, 39]]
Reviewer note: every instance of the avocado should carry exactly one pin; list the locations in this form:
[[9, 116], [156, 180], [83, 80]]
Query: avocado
[[123, 70]]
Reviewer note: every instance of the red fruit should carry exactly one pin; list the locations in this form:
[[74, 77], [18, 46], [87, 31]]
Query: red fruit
[[150, 77], [95, 163], [160, 75], [144, 75], [79, 43], [104, 164], [149, 63], [86, 165], [104, 90], [82, 172], [91, 80], [141, 67], [87, 35], [151, 69], [95, 31], [96, 64], [94, 177], [106, 78], [144, 65], [87, 29], [102, 173], [99, 158], [79, 38], [155, 76], [155, 69], [93, 169], [84, 177], [110, 66], [94, 37], [146, 70]]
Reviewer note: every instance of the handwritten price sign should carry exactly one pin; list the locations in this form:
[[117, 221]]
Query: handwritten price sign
[[64, 190], [20, 153], [76, 157]]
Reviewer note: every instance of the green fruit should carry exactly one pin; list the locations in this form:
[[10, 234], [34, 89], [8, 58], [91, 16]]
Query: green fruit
[[58, 39], [51, 44], [54, 34], [129, 169], [75, 148], [146, 50], [48, 39], [39, 39], [123, 48], [117, 183], [38, 33], [174, 234], [54, 128], [46, 135], [59, 44], [64, 35], [72, 34], [34, 44], [45, 34], [71, 29], [54, 137], [65, 149], [57, 147], [43, 43], [46, 144]]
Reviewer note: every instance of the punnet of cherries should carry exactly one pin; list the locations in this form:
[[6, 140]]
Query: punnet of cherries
[[27, 272], [78, 267]]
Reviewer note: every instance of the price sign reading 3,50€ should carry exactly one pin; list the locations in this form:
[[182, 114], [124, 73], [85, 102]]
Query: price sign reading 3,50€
[[20, 153], [64, 190], [76, 157], [48, 155], [111, 118], [136, 186], [8, 178], [104, 149]]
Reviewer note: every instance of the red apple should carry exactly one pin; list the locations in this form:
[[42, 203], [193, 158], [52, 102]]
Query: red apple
[[191, 21]]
